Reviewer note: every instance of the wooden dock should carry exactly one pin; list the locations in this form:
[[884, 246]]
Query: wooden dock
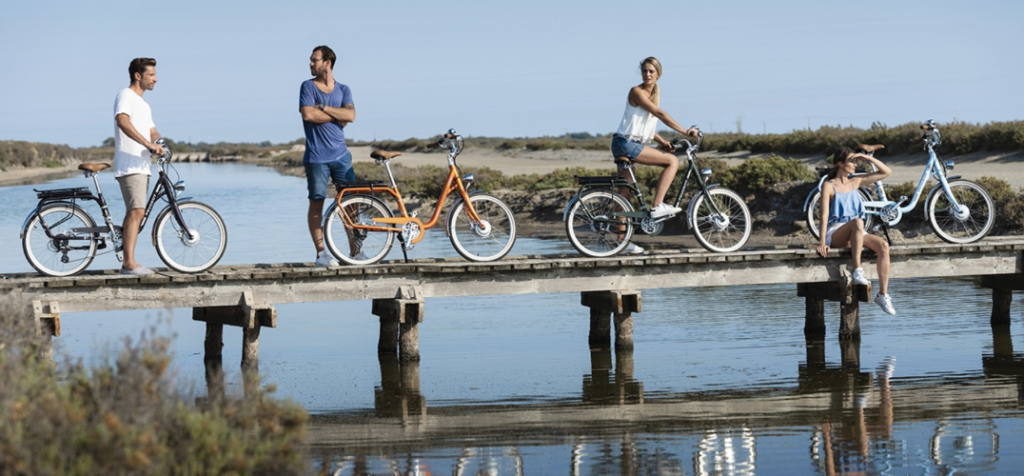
[[245, 295]]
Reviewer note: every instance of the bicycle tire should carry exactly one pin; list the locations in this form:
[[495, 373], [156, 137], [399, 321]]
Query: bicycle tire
[[196, 255], [720, 233], [362, 247], [814, 211], [973, 223], [490, 241], [42, 252], [594, 238]]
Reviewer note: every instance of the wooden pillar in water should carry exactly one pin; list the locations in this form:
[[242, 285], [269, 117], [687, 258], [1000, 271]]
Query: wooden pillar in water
[[47, 320], [399, 323], [611, 306], [1002, 286], [248, 315], [846, 293]]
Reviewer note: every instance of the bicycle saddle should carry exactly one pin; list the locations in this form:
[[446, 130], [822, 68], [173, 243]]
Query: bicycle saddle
[[93, 167], [622, 161], [384, 154], [870, 148]]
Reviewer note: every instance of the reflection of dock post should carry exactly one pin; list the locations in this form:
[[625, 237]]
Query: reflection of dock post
[[1002, 286], [248, 315], [607, 304], [846, 293], [399, 391], [399, 323]]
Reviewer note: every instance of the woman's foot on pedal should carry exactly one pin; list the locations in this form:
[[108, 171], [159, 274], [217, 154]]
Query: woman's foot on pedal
[[632, 249], [885, 303], [664, 209]]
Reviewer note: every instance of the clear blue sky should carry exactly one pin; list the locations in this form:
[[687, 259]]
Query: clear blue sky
[[230, 70]]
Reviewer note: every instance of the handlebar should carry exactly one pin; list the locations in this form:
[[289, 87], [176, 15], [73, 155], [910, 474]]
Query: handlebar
[[689, 147], [167, 150], [452, 141], [931, 136]]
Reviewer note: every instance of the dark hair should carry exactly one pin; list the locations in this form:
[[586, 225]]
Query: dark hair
[[138, 65], [327, 53], [838, 157]]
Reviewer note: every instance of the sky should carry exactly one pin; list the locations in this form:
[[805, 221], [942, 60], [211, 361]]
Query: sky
[[230, 70]]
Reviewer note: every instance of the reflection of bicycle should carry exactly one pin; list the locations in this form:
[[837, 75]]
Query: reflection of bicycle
[[960, 211], [600, 221], [360, 228], [60, 238]]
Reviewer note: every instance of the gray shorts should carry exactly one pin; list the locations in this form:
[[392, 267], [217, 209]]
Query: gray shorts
[[134, 189]]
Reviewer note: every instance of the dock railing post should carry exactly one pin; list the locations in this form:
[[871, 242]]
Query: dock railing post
[[607, 304], [248, 315], [1002, 286], [47, 319], [399, 323]]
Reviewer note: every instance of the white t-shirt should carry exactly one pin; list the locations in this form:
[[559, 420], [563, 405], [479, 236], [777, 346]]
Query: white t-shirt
[[131, 157]]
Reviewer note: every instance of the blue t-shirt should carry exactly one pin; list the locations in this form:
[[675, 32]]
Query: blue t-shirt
[[324, 142]]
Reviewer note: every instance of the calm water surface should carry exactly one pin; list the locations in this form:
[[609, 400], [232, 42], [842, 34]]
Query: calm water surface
[[722, 380]]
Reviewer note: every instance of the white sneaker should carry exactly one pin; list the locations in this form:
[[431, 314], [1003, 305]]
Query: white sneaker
[[325, 260], [859, 278], [632, 249], [664, 209], [885, 303], [360, 256]]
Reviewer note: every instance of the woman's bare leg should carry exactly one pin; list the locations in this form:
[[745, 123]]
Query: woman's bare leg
[[881, 249], [652, 156], [850, 235]]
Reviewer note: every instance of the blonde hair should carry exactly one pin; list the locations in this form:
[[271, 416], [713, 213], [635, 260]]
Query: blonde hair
[[656, 93]]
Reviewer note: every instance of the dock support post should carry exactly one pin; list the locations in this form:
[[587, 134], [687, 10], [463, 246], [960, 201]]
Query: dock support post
[[607, 304], [248, 315], [846, 293], [399, 323], [1002, 286], [47, 320]]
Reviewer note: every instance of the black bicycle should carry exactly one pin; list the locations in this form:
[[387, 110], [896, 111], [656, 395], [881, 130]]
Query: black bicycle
[[61, 239]]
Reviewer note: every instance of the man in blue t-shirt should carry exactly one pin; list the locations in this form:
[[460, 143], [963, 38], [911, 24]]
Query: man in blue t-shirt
[[326, 107]]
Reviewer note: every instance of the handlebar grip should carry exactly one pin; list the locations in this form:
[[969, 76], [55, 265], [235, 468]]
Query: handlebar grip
[[927, 127], [450, 135], [433, 145]]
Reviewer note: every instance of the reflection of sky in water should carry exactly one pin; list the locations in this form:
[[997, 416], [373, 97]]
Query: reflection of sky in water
[[528, 351]]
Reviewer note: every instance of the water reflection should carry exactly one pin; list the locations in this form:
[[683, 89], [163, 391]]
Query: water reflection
[[608, 385]]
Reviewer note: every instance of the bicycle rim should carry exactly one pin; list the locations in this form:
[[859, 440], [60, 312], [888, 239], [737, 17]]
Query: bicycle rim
[[588, 228], [192, 252], [720, 232], [55, 257], [965, 224], [489, 239], [354, 245]]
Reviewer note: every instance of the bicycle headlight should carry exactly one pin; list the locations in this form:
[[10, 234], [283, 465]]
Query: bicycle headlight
[[948, 165]]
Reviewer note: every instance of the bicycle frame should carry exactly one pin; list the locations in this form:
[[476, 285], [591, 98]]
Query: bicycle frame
[[453, 183]]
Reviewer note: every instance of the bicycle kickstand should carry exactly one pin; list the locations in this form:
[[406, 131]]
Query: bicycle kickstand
[[401, 240], [885, 229]]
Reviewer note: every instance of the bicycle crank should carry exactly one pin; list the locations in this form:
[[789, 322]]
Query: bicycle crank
[[650, 226], [410, 232]]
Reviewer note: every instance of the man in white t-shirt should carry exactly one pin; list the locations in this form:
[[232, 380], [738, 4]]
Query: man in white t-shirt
[[134, 137]]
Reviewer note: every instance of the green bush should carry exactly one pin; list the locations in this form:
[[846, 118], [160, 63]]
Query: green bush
[[125, 417], [1009, 204], [760, 174]]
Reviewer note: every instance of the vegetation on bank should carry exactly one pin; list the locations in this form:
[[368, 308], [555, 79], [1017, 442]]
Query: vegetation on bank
[[957, 138], [125, 416]]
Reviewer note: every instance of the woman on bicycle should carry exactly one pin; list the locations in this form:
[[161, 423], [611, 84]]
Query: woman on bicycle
[[637, 128], [842, 219]]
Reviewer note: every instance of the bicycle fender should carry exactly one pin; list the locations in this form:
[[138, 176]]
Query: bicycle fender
[[39, 208], [565, 212], [936, 188]]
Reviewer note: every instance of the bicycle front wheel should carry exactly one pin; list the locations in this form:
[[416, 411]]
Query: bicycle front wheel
[[198, 249], [358, 246], [69, 251], [967, 222], [592, 227], [724, 230], [814, 213], [490, 238]]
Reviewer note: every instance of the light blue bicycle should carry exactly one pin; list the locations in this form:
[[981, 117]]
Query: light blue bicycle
[[960, 211]]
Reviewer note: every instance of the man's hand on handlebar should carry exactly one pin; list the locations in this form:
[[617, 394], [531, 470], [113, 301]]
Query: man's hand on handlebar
[[155, 149]]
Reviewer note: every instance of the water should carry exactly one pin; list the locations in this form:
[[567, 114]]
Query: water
[[722, 380]]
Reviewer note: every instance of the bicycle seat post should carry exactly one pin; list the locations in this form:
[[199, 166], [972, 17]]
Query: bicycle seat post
[[391, 176]]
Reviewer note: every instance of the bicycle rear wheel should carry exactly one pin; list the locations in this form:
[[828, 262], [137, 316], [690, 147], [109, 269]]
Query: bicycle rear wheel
[[590, 226], [720, 232], [60, 256], [969, 222], [489, 239], [353, 245], [195, 254]]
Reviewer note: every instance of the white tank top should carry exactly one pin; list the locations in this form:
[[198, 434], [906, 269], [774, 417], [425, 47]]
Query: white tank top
[[637, 124]]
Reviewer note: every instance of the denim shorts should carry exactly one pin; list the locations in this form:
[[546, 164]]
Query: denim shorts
[[338, 171], [623, 147]]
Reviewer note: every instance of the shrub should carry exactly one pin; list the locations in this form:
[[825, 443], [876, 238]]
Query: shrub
[[759, 174], [1009, 204], [125, 417]]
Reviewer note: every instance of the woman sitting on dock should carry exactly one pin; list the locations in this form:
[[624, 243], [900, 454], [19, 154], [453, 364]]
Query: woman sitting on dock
[[842, 219]]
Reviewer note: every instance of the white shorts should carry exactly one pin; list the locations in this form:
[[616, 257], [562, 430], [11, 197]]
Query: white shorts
[[832, 227]]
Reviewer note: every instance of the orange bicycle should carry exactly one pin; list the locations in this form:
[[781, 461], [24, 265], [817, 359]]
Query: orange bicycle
[[360, 228]]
